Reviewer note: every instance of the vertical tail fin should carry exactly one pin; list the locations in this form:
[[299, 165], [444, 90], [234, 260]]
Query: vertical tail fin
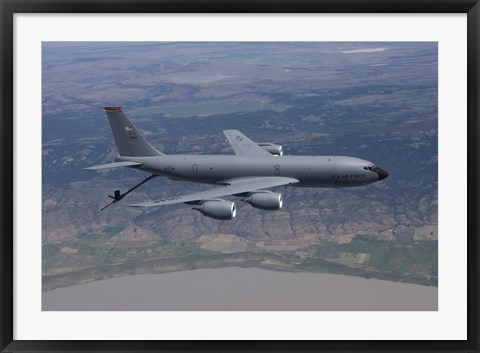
[[130, 142]]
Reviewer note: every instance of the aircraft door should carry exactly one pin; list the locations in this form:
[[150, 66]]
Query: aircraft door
[[194, 169], [277, 170]]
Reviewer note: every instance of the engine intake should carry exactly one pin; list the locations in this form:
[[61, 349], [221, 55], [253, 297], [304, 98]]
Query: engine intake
[[269, 201], [218, 209], [276, 150]]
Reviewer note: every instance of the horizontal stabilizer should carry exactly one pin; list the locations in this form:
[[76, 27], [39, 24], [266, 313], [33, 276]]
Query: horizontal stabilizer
[[114, 165]]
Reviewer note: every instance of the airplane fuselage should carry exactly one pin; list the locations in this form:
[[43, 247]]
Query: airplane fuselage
[[311, 171], [255, 168]]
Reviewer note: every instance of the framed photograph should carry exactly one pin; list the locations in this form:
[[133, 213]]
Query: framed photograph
[[239, 176]]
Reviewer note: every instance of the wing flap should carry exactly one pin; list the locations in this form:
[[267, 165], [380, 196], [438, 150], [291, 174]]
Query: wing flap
[[114, 165], [234, 186], [243, 146]]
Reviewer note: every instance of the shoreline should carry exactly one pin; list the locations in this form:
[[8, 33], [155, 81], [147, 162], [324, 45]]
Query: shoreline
[[237, 288], [272, 262]]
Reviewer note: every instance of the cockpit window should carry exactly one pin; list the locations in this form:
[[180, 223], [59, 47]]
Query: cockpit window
[[367, 168]]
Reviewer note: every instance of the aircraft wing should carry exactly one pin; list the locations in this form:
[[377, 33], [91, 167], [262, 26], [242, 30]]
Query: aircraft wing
[[243, 146], [234, 186]]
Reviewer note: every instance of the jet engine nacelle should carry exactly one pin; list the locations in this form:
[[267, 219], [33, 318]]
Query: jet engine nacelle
[[218, 209], [276, 150], [269, 201]]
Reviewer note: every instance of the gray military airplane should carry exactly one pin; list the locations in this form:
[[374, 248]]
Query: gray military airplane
[[254, 168]]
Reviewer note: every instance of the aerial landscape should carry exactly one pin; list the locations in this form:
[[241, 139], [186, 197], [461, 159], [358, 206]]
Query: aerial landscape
[[371, 100]]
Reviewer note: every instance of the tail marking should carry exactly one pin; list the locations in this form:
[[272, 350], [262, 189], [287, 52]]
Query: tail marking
[[130, 142]]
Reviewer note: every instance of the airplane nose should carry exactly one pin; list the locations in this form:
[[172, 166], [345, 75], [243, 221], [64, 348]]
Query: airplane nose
[[382, 174]]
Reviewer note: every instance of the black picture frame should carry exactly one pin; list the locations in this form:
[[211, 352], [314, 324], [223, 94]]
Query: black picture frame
[[10, 7]]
